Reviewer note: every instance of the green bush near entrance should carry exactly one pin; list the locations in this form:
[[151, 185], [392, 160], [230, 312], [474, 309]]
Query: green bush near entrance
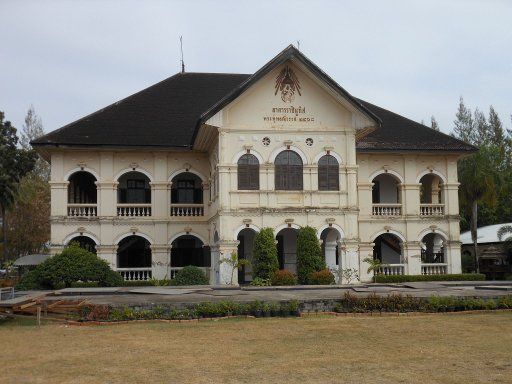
[[190, 275], [309, 254], [265, 261], [73, 264], [412, 278]]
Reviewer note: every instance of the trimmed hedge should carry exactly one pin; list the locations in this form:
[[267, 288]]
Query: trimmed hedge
[[309, 254], [190, 275], [413, 278], [264, 257], [283, 277], [73, 264], [323, 277]]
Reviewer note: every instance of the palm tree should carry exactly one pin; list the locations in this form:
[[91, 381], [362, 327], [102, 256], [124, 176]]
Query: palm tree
[[374, 265], [478, 185], [507, 240]]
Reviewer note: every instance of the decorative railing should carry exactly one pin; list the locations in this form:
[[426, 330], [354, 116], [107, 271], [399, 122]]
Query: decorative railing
[[386, 209], [391, 269], [431, 209], [135, 274], [174, 270], [187, 210], [434, 269], [133, 210], [82, 210]]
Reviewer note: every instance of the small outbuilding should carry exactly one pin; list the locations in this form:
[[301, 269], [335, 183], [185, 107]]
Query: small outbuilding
[[494, 258]]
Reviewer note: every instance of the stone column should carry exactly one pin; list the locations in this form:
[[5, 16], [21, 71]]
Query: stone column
[[108, 253], [59, 198], [107, 198], [365, 251], [227, 274], [330, 254], [452, 254], [412, 257], [160, 199], [411, 203], [56, 248], [214, 264], [160, 261], [365, 198]]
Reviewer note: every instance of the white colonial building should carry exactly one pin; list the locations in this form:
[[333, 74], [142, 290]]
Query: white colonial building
[[188, 170]]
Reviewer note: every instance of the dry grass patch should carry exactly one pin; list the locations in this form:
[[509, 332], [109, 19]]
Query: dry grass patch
[[453, 348]]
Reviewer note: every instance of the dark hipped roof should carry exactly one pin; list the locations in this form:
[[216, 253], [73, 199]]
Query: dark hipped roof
[[163, 115], [168, 114]]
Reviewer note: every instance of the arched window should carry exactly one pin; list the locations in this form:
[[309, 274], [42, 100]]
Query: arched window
[[328, 174], [248, 172], [288, 169]]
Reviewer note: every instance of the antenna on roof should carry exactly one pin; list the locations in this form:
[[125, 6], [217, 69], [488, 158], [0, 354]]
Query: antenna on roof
[[181, 49], [298, 45]]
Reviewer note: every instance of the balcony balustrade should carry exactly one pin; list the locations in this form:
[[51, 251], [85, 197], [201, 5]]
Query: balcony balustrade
[[434, 269], [431, 209], [82, 210], [386, 210], [135, 274], [187, 210], [391, 269], [133, 210]]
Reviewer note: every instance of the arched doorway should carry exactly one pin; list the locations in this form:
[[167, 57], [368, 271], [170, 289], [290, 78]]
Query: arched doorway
[[245, 247], [189, 250], [287, 249], [187, 195], [134, 258], [386, 199], [431, 195], [84, 242], [388, 249], [432, 248], [330, 238], [82, 194], [134, 195]]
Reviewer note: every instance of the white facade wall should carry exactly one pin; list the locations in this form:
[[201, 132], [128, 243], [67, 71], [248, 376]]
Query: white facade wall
[[241, 128]]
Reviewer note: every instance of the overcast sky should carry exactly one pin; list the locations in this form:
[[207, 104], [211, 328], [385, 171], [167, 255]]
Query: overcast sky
[[70, 58]]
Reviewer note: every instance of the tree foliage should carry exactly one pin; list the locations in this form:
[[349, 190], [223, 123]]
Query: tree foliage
[[28, 219], [14, 164], [72, 265], [31, 130], [265, 261], [309, 254]]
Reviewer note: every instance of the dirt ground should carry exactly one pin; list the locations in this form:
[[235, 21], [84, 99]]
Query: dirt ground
[[451, 348]]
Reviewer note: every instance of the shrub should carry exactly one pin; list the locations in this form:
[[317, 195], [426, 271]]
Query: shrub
[[309, 254], [283, 277], [411, 278], [190, 275], [265, 261], [73, 264], [259, 282], [323, 277]]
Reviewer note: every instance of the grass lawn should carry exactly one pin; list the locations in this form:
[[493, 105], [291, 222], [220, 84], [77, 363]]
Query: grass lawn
[[455, 348]]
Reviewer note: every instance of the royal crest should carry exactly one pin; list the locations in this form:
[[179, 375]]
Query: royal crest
[[287, 83]]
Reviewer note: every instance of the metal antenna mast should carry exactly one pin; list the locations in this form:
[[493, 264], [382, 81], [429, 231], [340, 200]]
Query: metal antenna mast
[[181, 49]]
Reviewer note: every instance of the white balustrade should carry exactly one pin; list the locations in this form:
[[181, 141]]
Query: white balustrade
[[135, 274], [82, 210], [133, 210], [386, 209], [391, 269], [434, 269], [175, 270], [187, 210], [431, 209]]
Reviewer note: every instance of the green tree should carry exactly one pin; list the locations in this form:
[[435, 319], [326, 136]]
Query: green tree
[[477, 177], [309, 254], [14, 164], [464, 128], [433, 123], [31, 130], [28, 218], [265, 261], [374, 265], [507, 240]]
